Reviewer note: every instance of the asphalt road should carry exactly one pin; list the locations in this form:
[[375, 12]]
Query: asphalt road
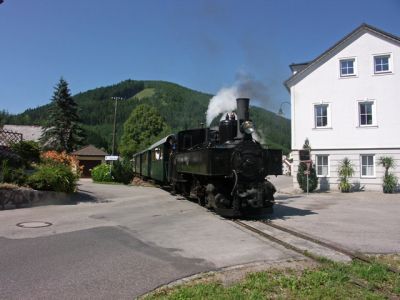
[[118, 242], [98, 263]]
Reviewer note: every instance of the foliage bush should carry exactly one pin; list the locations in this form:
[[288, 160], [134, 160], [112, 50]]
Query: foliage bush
[[11, 175], [13, 160], [122, 171], [302, 178], [390, 181], [101, 173], [55, 177], [345, 171], [29, 151], [69, 160]]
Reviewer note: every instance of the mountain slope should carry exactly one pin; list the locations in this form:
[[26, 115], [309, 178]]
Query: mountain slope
[[179, 106]]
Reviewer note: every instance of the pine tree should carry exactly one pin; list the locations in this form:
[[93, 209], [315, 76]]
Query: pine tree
[[63, 131]]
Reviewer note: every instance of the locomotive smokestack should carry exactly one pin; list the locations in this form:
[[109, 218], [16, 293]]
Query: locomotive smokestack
[[242, 112], [242, 109]]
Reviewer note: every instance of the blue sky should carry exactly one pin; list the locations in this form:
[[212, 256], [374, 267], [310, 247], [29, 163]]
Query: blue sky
[[198, 44]]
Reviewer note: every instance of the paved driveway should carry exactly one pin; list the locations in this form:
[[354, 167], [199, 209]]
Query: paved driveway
[[368, 222]]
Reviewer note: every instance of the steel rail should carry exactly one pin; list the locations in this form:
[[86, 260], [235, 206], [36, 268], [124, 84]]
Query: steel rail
[[351, 254]]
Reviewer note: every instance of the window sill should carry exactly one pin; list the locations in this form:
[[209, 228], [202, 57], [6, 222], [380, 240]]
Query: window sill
[[368, 126], [348, 76], [383, 73], [368, 177], [323, 176], [322, 128]]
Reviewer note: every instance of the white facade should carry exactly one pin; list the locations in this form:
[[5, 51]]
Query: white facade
[[347, 102]]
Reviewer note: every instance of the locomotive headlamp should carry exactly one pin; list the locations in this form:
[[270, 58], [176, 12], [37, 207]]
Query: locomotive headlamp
[[248, 127]]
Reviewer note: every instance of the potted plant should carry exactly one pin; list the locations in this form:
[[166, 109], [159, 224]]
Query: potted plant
[[345, 171], [389, 179]]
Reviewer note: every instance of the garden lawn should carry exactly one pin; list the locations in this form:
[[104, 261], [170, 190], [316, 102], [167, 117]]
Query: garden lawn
[[328, 281]]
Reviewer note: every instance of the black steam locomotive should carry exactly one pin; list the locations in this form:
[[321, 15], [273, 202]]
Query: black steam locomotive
[[223, 169]]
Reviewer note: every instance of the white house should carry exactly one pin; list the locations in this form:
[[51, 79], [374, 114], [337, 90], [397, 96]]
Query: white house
[[347, 102]]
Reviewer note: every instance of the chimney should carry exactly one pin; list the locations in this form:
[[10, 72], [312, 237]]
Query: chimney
[[242, 112]]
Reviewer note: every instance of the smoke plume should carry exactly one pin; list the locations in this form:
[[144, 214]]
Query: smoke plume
[[245, 86]]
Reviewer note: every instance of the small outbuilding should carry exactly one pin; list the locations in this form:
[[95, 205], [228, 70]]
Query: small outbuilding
[[89, 157]]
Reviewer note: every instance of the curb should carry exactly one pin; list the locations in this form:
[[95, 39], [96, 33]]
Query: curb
[[237, 272]]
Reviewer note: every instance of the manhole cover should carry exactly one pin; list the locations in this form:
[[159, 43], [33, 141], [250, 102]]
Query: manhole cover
[[34, 224]]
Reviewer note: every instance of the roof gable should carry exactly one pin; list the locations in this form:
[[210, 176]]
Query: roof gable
[[303, 69], [90, 150]]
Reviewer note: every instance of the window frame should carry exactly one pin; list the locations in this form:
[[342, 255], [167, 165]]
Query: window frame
[[328, 115], [390, 64], [373, 166], [373, 113], [354, 60], [317, 165]]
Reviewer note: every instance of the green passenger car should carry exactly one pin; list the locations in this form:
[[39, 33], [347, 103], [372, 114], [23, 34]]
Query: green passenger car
[[153, 162], [159, 157]]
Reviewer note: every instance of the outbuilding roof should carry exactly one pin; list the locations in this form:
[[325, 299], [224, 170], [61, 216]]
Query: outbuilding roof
[[29, 133], [90, 150], [302, 68]]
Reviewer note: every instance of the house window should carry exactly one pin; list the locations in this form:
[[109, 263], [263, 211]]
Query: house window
[[347, 67], [366, 113], [382, 64], [367, 166], [322, 165], [321, 115]]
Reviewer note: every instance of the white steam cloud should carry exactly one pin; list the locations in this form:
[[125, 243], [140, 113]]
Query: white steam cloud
[[245, 86], [224, 101]]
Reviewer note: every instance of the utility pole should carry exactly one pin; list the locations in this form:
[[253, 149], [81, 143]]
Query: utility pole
[[115, 121]]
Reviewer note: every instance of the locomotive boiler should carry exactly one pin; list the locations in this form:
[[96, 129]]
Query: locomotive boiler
[[224, 169]]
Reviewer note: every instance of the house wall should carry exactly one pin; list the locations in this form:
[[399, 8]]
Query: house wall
[[344, 137], [335, 156]]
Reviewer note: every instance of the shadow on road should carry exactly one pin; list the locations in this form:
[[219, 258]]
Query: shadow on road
[[283, 212]]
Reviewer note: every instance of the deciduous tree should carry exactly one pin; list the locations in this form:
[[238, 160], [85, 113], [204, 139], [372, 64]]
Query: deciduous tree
[[143, 127]]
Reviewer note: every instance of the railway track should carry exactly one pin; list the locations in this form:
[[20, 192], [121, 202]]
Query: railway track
[[352, 255], [295, 241], [301, 244]]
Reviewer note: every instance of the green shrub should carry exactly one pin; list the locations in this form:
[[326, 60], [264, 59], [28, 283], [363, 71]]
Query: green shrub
[[101, 173], [122, 171], [389, 183], [53, 177], [14, 160], [11, 175], [389, 179], [29, 151], [345, 171], [302, 178]]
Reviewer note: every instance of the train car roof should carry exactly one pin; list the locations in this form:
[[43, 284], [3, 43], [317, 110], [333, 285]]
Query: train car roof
[[139, 153], [160, 142]]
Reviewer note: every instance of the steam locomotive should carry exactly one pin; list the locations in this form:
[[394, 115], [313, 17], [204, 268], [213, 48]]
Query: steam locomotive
[[223, 169]]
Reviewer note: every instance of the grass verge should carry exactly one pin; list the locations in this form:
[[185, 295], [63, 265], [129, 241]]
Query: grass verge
[[328, 281]]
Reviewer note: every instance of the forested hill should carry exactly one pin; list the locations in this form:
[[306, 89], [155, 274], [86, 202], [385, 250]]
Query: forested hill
[[179, 106]]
